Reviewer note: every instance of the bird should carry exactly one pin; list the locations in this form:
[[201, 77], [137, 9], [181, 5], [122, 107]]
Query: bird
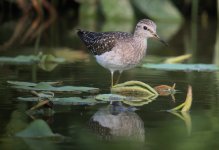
[[119, 51]]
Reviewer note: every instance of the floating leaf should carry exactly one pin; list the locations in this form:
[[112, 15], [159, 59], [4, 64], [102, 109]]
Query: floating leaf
[[134, 93], [44, 86], [37, 129], [31, 59], [43, 95], [177, 59], [20, 83], [19, 60], [75, 101], [134, 89], [182, 67], [64, 101], [32, 84]]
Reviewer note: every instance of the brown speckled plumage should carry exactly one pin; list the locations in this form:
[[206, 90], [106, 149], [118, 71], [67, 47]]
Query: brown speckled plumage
[[101, 42]]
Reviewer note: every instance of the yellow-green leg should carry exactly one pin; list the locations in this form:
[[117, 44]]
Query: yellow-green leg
[[112, 72], [120, 73]]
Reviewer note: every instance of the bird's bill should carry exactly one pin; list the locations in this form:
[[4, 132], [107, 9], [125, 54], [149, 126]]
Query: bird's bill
[[162, 41]]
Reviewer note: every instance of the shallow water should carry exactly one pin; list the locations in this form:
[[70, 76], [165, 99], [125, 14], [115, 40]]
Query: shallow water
[[146, 128]]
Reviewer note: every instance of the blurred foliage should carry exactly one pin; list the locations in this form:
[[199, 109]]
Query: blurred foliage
[[159, 9], [49, 23], [112, 10], [37, 129]]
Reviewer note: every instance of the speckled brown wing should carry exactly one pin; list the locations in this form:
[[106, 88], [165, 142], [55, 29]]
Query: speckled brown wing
[[101, 42]]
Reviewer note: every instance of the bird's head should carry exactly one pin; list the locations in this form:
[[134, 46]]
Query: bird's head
[[147, 29]]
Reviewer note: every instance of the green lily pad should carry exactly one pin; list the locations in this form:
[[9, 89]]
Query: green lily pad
[[46, 86], [20, 83], [37, 129], [182, 67], [31, 59], [75, 101], [64, 100], [43, 95]]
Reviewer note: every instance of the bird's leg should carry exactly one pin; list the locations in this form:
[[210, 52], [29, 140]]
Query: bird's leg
[[120, 73], [112, 72]]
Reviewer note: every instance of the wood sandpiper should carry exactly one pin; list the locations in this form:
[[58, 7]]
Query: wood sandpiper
[[118, 51]]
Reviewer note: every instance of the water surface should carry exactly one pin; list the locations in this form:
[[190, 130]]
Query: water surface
[[146, 128]]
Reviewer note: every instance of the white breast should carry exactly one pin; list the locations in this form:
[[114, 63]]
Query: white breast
[[123, 56]]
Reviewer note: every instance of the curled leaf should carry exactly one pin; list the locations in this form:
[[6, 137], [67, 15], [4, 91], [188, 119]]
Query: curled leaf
[[177, 59], [186, 106], [188, 101], [135, 93], [134, 89]]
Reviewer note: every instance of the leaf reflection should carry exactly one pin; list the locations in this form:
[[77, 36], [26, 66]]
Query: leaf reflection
[[185, 116]]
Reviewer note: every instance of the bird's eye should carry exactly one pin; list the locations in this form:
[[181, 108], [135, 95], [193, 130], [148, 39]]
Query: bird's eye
[[145, 28]]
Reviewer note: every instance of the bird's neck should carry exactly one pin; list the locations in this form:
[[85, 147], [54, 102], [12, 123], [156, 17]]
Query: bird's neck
[[138, 34], [140, 42]]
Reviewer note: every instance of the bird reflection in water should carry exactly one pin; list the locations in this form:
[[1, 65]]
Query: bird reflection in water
[[116, 121]]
